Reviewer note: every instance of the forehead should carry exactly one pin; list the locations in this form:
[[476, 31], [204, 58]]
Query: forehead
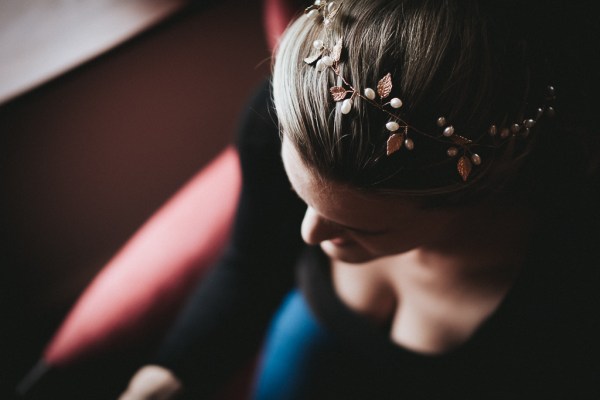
[[337, 202]]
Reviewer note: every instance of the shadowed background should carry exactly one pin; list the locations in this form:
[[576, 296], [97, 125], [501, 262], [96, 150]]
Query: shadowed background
[[88, 156]]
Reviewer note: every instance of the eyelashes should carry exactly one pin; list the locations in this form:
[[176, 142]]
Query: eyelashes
[[364, 232]]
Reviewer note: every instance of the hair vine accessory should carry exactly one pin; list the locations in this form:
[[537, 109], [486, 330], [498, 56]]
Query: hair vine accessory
[[328, 57]]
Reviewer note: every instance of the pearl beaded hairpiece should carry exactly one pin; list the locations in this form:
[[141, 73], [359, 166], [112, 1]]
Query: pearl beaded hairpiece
[[327, 57]]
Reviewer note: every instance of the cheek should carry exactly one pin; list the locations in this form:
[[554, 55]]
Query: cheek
[[388, 244], [377, 246]]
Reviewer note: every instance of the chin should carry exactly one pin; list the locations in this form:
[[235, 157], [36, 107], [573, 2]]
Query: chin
[[348, 253]]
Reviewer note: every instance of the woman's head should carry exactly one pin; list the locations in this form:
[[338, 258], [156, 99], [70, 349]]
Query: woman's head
[[474, 63], [355, 226]]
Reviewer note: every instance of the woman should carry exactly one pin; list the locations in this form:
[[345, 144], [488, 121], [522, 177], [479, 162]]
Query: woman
[[442, 149]]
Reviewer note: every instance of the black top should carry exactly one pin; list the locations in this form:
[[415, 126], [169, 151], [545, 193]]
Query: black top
[[540, 341]]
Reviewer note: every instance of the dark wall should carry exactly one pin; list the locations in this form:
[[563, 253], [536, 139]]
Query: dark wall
[[85, 159]]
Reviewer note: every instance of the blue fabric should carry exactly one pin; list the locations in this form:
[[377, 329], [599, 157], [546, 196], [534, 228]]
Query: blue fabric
[[301, 359]]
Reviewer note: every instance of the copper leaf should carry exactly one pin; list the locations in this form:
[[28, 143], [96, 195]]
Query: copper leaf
[[338, 93], [460, 140], [314, 57], [333, 12], [464, 167], [309, 9], [394, 143], [384, 86], [337, 50]]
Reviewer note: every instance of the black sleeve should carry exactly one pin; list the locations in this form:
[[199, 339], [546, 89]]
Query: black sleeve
[[224, 322]]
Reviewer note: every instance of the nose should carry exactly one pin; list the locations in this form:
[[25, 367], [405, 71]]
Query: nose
[[316, 229]]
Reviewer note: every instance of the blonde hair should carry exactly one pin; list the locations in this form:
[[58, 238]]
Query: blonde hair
[[457, 59]]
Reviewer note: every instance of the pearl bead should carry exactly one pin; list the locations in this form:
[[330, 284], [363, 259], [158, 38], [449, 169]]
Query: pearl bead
[[539, 112], [317, 2], [550, 90], [529, 123], [331, 6], [493, 130], [320, 66], [370, 93], [514, 128], [504, 133], [452, 151], [327, 61], [396, 102], [550, 112], [449, 131], [312, 14], [318, 44], [392, 126], [346, 106], [409, 144], [441, 121], [476, 159], [525, 132]]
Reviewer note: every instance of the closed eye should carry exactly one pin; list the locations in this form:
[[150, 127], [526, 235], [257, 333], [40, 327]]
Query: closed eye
[[365, 232]]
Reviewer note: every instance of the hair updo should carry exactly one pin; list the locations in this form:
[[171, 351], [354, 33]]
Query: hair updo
[[476, 63]]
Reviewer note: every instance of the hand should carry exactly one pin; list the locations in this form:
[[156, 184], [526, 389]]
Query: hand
[[152, 382]]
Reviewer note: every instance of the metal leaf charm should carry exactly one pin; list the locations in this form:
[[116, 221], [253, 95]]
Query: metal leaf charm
[[337, 50], [460, 140], [314, 57], [464, 167], [309, 9], [338, 93], [394, 143], [384, 86], [332, 12]]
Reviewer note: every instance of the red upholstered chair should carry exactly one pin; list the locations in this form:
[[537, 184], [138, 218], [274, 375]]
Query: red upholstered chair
[[131, 302], [145, 283], [154, 270]]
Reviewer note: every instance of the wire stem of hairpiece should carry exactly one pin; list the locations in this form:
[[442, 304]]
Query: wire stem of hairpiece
[[355, 92], [460, 147]]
